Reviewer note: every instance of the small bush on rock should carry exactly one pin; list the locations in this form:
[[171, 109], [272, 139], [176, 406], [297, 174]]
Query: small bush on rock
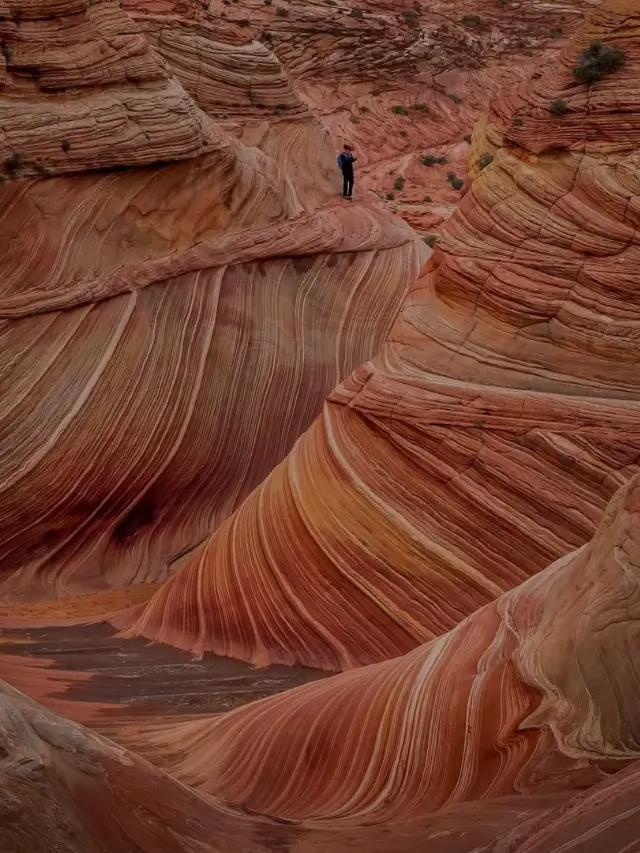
[[281, 12], [455, 98], [243, 22], [518, 122], [558, 107], [423, 108], [427, 199], [13, 162], [597, 61], [472, 20], [457, 183], [430, 160], [484, 160], [399, 110], [390, 196], [356, 13], [399, 182], [430, 240]]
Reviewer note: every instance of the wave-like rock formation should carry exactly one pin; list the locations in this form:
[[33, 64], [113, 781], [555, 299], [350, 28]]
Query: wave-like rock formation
[[174, 303], [485, 439], [537, 689], [64, 788]]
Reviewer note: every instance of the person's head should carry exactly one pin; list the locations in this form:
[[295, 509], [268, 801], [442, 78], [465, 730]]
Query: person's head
[[347, 148]]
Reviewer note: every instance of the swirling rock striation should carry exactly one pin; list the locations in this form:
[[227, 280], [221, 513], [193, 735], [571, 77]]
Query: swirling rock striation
[[172, 312], [535, 690], [481, 444]]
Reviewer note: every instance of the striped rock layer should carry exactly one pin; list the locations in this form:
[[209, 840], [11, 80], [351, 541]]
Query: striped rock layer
[[174, 304], [63, 787], [485, 439], [538, 689]]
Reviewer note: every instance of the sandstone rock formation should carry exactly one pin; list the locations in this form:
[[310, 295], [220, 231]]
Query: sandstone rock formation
[[534, 690], [484, 440], [174, 303]]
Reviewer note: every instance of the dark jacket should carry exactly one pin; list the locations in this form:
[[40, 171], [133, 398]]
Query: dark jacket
[[346, 161]]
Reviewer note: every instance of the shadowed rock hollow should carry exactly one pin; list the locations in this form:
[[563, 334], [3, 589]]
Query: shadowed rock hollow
[[485, 439], [174, 304]]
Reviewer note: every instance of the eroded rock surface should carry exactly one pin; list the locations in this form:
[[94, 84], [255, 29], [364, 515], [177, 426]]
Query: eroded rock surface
[[484, 440], [174, 303]]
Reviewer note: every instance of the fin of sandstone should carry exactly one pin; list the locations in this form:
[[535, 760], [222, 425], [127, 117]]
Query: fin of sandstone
[[536, 691]]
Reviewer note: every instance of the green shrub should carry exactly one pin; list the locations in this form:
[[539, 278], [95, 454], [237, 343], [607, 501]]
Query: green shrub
[[403, 133], [399, 110], [430, 239], [423, 108], [484, 160], [455, 98], [354, 119], [409, 15], [503, 2], [13, 162], [356, 13], [390, 196], [451, 176], [243, 22], [472, 20], [281, 12], [267, 2], [65, 145], [427, 199], [518, 122], [556, 32], [364, 109], [399, 183], [430, 160], [558, 107], [597, 61], [457, 183]]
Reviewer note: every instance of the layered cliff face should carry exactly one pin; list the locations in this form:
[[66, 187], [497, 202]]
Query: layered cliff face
[[537, 689], [485, 439], [175, 304]]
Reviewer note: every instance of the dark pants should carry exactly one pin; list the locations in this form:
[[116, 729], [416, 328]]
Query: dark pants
[[347, 182]]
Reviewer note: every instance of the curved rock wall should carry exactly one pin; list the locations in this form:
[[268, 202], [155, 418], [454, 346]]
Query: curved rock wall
[[537, 689], [168, 328], [481, 444]]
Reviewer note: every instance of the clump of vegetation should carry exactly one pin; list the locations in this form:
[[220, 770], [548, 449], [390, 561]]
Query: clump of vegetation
[[364, 109], [356, 13], [597, 61], [431, 160], [13, 162], [403, 133], [281, 12], [556, 32], [503, 2], [267, 2], [467, 138], [243, 22], [6, 52], [399, 110], [390, 196], [472, 20], [399, 183], [456, 182], [484, 160], [354, 119], [423, 108], [409, 15], [455, 98], [558, 107], [518, 122], [430, 240], [427, 199]]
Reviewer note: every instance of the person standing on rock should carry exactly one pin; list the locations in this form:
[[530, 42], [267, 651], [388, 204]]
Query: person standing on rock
[[345, 162]]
